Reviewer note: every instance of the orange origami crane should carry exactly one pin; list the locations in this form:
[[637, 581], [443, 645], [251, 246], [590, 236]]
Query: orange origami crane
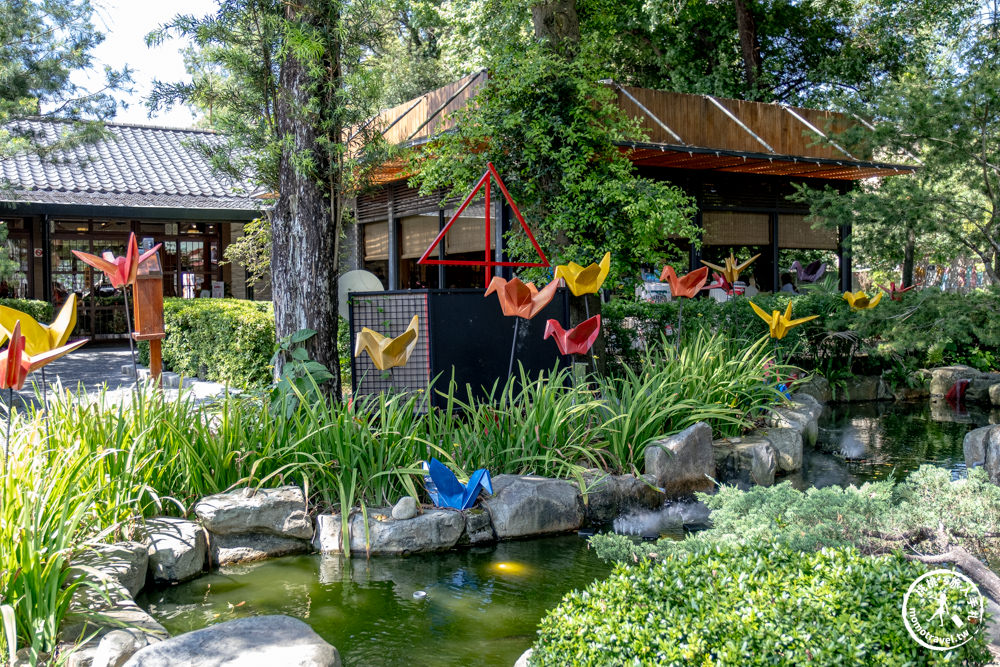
[[518, 299], [388, 352], [584, 280], [119, 270], [732, 270], [780, 324], [577, 340], [687, 286], [15, 364], [895, 293], [40, 338], [860, 301]]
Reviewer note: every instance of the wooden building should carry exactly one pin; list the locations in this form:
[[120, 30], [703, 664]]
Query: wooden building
[[154, 181], [739, 160]]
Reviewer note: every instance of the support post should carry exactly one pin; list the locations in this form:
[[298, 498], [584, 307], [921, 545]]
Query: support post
[[775, 254], [393, 242], [441, 223], [844, 257]]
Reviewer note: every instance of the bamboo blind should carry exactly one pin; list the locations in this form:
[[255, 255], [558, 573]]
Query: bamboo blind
[[466, 235], [419, 231], [797, 231], [731, 228], [376, 241]]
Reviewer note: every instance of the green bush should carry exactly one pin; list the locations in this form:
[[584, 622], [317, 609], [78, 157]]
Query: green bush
[[926, 328], [40, 310], [745, 604], [224, 340]]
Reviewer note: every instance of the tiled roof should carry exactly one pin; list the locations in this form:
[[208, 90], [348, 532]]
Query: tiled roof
[[137, 166]]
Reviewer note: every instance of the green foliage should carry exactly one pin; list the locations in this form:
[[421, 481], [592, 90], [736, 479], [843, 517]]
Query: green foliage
[[42, 311], [224, 340], [300, 375], [926, 328], [746, 604], [549, 127]]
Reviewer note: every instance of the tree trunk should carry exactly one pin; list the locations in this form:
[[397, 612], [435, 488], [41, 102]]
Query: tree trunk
[[749, 43], [305, 223], [556, 21], [908, 252]]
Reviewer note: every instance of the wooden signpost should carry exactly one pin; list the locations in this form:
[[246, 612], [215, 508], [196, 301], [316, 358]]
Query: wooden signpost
[[147, 295]]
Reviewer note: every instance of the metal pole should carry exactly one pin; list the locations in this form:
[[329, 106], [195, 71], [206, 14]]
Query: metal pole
[[513, 345], [680, 314], [128, 326]]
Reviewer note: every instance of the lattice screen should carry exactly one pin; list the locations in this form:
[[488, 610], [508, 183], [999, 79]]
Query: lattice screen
[[730, 228], [796, 231], [389, 314]]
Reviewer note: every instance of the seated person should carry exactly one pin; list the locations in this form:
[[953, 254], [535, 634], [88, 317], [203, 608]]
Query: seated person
[[787, 283]]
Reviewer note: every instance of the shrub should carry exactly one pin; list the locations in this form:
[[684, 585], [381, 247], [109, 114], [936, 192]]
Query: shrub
[[224, 340], [746, 604], [40, 310]]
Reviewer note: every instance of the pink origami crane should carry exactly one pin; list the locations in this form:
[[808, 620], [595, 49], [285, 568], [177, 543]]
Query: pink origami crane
[[120, 271], [577, 340], [895, 293], [719, 282], [15, 364], [686, 286], [518, 299]]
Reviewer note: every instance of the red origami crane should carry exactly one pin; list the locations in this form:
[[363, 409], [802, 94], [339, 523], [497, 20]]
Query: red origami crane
[[520, 299], [719, 282], [119, 270], [895, 293], [577, 340], [15, 364], [687, 286]]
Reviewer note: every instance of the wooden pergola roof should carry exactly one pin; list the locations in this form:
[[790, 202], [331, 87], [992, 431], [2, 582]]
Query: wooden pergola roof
[[689, 132]]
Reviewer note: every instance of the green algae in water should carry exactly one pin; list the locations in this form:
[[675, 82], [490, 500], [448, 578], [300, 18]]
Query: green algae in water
[[482, 605]]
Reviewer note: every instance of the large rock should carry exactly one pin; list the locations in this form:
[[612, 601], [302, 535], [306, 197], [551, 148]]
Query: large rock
[[787, 444], [527, 505], [256, 641], [176, 547], [608, 495], [328, 537], [860, 388], [123, 562], [995, 394], [245, 547], [974, 446], [434, 530], [991, 445], [116, 647], [746, 461], [978, 390], [803, 417], [478, 528], [817, 387], [682, 463], [99, 610], [280, 511]]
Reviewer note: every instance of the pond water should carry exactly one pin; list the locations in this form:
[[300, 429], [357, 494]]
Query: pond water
[[863, 442], [482, 605]]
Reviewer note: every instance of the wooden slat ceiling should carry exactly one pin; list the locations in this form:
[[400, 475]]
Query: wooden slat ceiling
[[689, 132]]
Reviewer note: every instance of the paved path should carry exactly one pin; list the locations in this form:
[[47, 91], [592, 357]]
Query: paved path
[[95, 368]]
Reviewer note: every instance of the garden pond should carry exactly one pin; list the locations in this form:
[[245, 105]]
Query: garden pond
[[481, 605]]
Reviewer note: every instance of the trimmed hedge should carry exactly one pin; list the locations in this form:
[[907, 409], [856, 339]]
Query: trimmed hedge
[[746, 604], [926, 328], [224, 340], [40, 310]]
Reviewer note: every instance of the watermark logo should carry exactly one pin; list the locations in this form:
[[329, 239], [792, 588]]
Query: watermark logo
[[942, 610]]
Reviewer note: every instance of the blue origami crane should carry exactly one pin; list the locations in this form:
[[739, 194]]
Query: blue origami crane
[[446, 491]]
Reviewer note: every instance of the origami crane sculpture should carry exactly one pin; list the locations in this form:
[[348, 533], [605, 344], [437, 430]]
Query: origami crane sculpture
[[860, 301], [584, 280], [811, 273], [577, 340], [780, 323], [518, 299], [119, 270], [731, 271], [388, 352], [40, 338], [895, 293], [688, 285], [719, 282], [956, 394], [446, 491]]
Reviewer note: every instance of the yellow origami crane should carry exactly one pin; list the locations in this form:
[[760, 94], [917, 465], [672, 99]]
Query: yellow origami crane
[[584, 280], [732, 270], [780, 323], [40, 338], [388, 352], [860, 301]]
